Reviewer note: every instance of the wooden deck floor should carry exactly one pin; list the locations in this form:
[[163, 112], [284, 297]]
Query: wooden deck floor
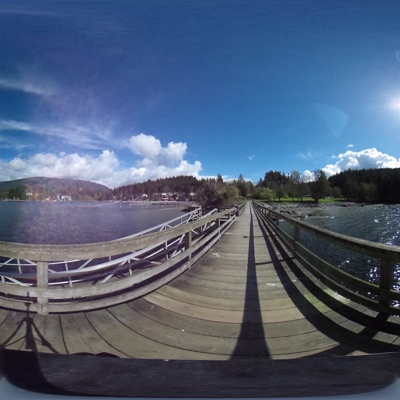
[[246, 297]]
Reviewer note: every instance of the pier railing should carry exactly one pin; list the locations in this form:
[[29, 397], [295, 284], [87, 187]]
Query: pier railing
[[381, 295], [68, 278]]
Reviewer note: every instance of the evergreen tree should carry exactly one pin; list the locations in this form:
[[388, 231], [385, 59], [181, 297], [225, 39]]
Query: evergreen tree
[[320, 187]]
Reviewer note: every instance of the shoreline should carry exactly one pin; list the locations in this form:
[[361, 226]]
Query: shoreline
[[303, 210]]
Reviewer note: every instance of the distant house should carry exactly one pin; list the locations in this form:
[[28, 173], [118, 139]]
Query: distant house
[[65, 198]]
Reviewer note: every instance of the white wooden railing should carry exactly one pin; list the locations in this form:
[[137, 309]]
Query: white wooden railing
[[67, 278]]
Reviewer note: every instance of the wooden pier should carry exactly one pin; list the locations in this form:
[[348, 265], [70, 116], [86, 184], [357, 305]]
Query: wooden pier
[[247, 299]]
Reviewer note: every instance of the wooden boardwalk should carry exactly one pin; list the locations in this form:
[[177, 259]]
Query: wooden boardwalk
[[246, 297]]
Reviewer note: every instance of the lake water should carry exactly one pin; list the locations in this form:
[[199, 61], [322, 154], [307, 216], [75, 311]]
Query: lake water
[[379, 223], [78, 222]]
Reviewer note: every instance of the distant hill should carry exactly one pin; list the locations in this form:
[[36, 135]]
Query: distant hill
[[40, 188]]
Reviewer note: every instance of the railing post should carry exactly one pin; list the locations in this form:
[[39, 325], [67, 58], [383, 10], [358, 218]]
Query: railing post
[[188, 245], [296, 238], [386, 281], [42, 270]]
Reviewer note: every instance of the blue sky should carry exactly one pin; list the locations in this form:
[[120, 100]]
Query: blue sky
[[123, 91]]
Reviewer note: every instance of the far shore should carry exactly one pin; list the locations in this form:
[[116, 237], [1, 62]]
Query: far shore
[[302, 210]]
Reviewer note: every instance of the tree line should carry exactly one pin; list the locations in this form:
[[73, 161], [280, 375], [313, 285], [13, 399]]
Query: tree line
[[219, 193], [367, 185], [375, 185]]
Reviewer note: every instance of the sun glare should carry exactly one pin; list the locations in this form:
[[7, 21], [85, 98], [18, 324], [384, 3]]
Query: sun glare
[[394, 105]]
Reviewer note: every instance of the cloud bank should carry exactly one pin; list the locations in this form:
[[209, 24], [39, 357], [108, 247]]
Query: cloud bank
[[364, 159], [155, 161]]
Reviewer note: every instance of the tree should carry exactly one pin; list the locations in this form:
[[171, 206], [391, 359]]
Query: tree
[[336, 192], [280, 192], [320, 187], [275, 178], [291, 190], [266, 194], [350, 189], [302, 190], [297, 188], [17, 193], [295, 177], [220, 181], [242, 186]]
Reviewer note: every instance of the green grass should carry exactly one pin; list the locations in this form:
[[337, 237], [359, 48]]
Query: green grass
[[308, 200]]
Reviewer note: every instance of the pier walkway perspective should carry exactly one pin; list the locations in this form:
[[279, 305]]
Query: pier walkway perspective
[[247, 298]]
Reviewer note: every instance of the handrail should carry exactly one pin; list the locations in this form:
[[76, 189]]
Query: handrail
[[66, 278], [240, 208], [382, 297]]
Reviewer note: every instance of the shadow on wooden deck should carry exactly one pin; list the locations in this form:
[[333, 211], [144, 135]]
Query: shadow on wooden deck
[[251, 306]]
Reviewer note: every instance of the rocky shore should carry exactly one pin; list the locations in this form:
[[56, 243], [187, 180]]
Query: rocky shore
[[304, 210]]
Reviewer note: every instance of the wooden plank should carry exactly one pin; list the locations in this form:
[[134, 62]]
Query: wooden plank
[[46, 331], [81, 338], [230, 304], [176, 337], [13, 331], [200, 326], [268, 316], [134, 345]]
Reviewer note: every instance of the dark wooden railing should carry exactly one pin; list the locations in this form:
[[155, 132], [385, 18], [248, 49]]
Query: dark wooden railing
[[382, 296]]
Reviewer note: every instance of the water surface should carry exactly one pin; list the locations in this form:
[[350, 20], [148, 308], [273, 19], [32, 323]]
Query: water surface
[[78, 222]]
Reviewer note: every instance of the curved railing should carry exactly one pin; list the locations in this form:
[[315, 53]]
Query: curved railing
[[382, 295], [67, 278]]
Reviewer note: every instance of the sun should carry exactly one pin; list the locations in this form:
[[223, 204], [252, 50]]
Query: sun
[[394, 104]]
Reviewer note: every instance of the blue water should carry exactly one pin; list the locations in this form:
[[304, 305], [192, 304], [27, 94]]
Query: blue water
[[379, 223], [77, 222]]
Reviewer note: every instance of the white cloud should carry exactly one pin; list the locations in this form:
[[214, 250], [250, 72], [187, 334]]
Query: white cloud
[[12, 125], [154, 154], [7, 142], [306, 155], [85, 137], [17, 164], [158, 162], [173, 153], [30, 85], [146, 146], [349, 146], [99, 169], [364, 159], [308, 176]]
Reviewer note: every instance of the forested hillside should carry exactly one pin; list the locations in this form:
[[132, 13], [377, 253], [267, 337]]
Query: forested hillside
[[209, 192], [53, 188], [369, 185]]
